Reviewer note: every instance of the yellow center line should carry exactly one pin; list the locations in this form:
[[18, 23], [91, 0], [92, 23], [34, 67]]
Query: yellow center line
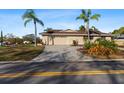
[[93, 72]]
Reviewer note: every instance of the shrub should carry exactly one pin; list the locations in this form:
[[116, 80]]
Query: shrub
[[106, 43], [100, 50], [101, 47], [88, 45], [75, 43]]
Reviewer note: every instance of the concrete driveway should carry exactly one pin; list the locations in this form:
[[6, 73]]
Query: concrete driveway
[[61, 53]]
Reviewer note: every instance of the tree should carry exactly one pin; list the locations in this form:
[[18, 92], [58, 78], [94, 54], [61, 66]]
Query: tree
[[94, 28], [119, 31], [19, 40], [29, 16], [47, 29], [30, 38], [81, 28], [10, 38], [86, 16]]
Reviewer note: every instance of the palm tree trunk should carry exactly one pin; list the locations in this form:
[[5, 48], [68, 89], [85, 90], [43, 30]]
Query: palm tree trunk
[[35, 39], [87, 29], [52, 40], [1, 38]]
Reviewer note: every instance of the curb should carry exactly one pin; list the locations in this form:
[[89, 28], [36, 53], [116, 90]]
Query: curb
[[14, 62], [69, 61]]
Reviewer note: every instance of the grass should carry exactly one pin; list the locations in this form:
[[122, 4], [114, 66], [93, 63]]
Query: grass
[[20, 53], [2, 47]]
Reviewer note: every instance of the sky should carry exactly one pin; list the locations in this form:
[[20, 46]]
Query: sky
[[11, 20]]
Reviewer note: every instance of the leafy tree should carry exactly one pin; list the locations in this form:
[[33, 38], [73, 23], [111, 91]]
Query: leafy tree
[[115, 32], [47, 29], [19, 40], [81, 28], [29, 16], [86, 16], [31, 37], [119, 31], [10, 38], [94, 28]]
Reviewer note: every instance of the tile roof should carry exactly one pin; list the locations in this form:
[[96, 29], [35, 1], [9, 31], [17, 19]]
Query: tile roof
[[74, 32]]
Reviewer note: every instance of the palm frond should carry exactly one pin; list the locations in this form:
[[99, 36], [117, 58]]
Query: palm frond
[[77, 17], [29, 14], [84, 11], [88, 12], [95, 17], [26, 21], [39, 21], [82, 16]]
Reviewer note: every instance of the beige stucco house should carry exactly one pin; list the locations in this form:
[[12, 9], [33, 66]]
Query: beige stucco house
[[66, 37]]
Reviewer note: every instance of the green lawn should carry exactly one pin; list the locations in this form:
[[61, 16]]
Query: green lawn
[[23, 53]]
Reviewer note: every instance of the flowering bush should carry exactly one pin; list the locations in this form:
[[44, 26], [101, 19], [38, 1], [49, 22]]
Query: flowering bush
[[100, 50], [106, 43], [101, 47]]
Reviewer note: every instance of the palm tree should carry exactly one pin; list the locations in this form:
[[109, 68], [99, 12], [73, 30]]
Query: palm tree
[[86, 16], [1, 38], [29, 16]]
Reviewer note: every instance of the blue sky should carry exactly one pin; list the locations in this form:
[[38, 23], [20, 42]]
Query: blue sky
[[11, 20]]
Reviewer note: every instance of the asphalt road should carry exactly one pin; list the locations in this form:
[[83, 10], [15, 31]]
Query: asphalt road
[[36, 73]]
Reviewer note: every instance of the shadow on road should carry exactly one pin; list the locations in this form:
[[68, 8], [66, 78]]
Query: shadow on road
[[111, 65], [62, 67]]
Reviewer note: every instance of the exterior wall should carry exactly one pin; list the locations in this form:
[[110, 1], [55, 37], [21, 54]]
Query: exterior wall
[[60, 40], [48, 40], [108, 38], [66, 40], [79, 39], [94, 38], [44, 38]]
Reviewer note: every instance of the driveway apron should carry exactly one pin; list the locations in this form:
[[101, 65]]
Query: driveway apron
[[60, 53]]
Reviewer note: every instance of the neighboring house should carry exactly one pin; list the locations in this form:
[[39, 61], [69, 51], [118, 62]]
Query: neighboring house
[[119, 39], [66, 37]]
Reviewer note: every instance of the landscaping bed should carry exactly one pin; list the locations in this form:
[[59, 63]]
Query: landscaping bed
[[118, 55], [102, 49], [20, 53]]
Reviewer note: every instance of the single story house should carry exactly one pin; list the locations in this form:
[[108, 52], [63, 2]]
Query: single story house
[[66, 37]]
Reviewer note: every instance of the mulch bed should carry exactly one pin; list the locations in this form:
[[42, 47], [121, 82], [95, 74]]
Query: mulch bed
[[118, 55]]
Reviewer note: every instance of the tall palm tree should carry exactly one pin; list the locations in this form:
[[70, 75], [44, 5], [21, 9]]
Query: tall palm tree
[[86, 16], [29, 16], [1, 38]]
